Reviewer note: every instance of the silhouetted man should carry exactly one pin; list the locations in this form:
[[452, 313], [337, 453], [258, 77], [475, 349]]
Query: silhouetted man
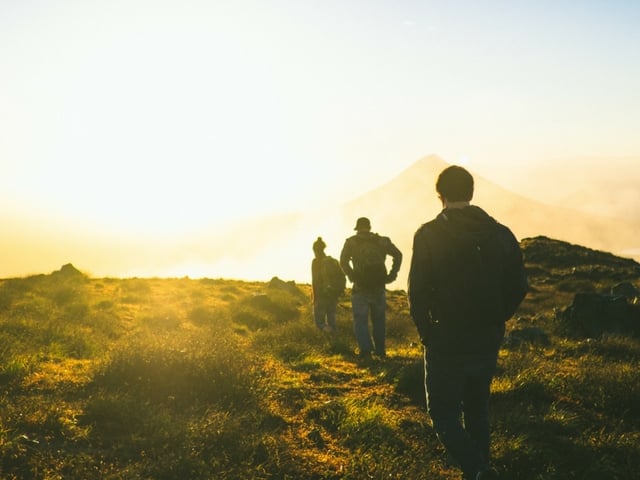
[[363, 261], [466, 279]]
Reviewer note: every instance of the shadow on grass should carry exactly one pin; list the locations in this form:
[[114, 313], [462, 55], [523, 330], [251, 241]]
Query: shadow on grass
[[557, 439]]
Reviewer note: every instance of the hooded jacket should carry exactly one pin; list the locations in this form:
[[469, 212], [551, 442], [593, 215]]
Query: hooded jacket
[[466, 279]]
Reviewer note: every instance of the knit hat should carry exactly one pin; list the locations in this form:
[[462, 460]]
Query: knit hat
[[319, 245]]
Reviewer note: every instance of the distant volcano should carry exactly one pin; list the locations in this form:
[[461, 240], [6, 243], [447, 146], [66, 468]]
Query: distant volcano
[[399, 207]]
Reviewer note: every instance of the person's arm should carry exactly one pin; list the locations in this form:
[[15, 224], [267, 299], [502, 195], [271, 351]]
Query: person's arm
[[418, 288], [515, 283], [314, 279], [345, 260], [396, 256]]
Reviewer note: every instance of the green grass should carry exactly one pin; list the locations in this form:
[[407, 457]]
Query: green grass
[[202, 379]]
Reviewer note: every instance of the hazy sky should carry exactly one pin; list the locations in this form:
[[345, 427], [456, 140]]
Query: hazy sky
[[167, 115]]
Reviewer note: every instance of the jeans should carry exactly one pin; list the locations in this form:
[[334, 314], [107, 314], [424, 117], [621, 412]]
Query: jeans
[[365, 304], [324, 313], [458, 390]]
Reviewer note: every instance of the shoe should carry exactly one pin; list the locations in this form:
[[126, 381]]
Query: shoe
[[488, 474]]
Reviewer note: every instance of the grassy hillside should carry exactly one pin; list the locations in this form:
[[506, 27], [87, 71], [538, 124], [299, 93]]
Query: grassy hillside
[[217, 379]]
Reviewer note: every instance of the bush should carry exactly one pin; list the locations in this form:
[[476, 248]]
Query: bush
[[182, 368]]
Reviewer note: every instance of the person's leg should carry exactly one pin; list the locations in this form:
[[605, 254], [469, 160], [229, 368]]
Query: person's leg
[[478, 373], [319, 313], [360, 309], [331, 314], [444, 382], [378, 303]]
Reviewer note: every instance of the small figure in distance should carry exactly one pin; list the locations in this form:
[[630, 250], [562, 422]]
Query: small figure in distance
[[466, 279], [363, 259], [328, 282]]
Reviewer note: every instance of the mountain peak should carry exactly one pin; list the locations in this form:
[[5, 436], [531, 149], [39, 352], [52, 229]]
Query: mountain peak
[[431, 162], [428, 167], [433, 159]]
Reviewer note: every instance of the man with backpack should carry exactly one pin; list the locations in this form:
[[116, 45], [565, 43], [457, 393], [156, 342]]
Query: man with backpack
[[328, 282], [363, 259], [466, 279]]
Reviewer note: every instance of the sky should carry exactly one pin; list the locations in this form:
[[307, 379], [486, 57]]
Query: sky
[[162, 117]]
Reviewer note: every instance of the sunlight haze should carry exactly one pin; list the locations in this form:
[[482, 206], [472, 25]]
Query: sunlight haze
[[149, 122]]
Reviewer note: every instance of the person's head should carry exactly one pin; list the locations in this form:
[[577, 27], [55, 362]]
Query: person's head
[[455, 184], [319, 246], [363, 225]]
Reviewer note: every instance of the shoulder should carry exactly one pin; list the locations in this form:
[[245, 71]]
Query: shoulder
[[506, 234], [507, 242], [350, 241], [429, 227], [360, 238], [504, 230], [385, 241], [379, 240]]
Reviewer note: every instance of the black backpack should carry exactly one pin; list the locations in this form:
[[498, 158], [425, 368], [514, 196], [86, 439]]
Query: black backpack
[[475, 278], [334, 278], [369, 255]]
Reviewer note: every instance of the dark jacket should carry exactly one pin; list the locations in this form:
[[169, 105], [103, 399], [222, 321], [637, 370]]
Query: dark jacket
[[321, 285], [455, 311], [364, 265]]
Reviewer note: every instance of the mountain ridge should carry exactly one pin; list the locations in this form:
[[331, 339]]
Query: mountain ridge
[[280, 244], [410, 199]]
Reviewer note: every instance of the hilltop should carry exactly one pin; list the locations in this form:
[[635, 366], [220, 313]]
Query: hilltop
[[177, 378]]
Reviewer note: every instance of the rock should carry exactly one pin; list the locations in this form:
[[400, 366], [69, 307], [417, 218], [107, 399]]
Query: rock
[[594, 314], [291, 287], [626, 289], [69, 272]]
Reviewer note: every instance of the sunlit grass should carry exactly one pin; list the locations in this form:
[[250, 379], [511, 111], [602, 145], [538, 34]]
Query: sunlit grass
[[200, 379]]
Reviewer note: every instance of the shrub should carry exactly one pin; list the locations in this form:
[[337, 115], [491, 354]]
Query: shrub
[[266, 309], [182, 368]]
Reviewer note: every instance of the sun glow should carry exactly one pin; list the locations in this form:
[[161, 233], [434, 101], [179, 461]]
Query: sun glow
[[165, 122], [156, 124]]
